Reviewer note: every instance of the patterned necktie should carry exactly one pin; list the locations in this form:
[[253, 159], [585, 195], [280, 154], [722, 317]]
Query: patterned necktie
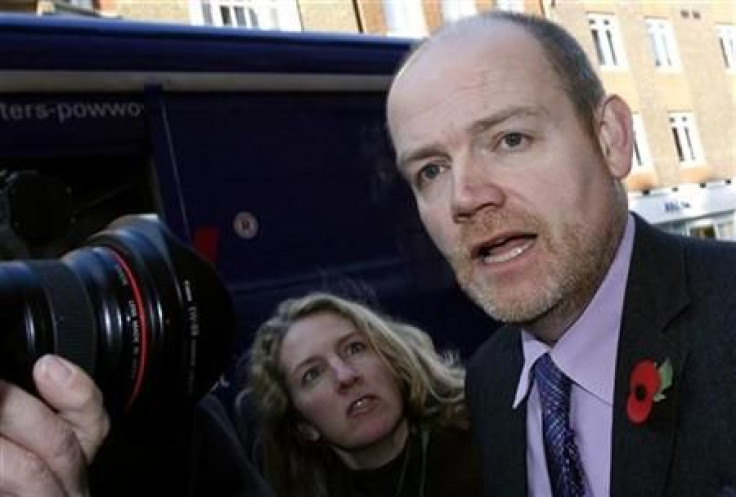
[[563, 460]]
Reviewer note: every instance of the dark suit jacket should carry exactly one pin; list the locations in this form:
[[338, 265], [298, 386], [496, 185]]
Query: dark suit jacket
[[680, 304]]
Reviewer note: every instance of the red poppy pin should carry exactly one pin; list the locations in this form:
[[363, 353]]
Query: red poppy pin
[[646, 386]]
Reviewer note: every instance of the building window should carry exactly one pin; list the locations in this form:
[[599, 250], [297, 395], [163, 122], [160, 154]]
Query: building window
[[510, 5], [608, 46], [702, 231], [724, 229], [405, 18], [727, 39], [642, 158], [719, 227], [259, 14], [452, 10], [84, 4], [662, 40], [685, 136]]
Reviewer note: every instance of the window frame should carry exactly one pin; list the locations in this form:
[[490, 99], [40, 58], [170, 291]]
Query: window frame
[[405, 18], [663, 44], [610, 55], [250, 14], [81, 4], [641, 156], [453, 10], [727, 43], [510, 5], [685, 132]]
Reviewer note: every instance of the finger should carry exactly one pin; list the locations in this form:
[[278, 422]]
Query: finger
[[40, 452], [24, 474], [76, 399]]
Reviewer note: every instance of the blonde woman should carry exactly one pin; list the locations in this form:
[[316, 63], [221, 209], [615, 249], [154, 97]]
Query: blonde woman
[[356, 404]]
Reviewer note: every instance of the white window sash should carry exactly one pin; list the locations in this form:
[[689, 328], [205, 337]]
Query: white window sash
[[727, 40], [687, 142], [511, 5], [405, 18], [82, 4], [262, 14], [642, 157], [663, 44], [607, 41], [452, 10]]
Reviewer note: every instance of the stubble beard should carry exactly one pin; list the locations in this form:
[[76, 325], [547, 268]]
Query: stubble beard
[[567, 279]]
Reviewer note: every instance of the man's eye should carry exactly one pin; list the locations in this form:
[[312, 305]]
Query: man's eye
[[354, 348], [512, 140], [428, 173]]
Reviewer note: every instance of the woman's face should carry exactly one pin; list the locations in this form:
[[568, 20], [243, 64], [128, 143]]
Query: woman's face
[[345, 392]]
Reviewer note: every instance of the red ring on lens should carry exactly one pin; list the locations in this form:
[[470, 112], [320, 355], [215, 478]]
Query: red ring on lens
[[138, 301]]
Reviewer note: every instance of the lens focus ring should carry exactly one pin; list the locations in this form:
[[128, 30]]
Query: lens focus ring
[[74, 331]]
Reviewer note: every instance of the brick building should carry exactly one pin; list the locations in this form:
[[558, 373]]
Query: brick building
[[674, 62], [50, 7]]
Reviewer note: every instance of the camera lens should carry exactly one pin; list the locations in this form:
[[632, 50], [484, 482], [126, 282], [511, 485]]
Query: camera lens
[[144, 315]]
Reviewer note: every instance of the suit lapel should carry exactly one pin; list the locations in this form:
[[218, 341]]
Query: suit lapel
[[656, 293], [515, 435], [506, 426]]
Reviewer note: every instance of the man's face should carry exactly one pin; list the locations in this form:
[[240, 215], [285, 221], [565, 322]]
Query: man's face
[[509, 184]]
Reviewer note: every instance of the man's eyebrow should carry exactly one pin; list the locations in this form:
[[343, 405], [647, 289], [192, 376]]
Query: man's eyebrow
[[418, 154], [475, 128], [497, 118]]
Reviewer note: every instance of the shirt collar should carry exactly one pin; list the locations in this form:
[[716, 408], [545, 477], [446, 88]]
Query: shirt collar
[[586, 353]]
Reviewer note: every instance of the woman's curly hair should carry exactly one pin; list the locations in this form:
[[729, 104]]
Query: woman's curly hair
[[432, 385]]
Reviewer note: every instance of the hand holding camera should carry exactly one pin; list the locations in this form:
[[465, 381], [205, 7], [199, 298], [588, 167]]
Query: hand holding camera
[[46, 443], [144, 326]]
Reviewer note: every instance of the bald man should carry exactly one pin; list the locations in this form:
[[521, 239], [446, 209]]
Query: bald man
[[616, 371]]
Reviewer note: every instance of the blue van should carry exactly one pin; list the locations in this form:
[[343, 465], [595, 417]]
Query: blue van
[[266, 152]]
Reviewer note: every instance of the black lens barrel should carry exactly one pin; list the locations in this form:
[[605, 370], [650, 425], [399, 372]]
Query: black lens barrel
[[43, 308], [141, 312], [70, 311]]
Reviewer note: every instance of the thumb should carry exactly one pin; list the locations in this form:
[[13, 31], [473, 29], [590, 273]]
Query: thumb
[[76, 398]]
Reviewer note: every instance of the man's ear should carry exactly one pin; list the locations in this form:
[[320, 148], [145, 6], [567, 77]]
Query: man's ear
[[308, 432], [615, 135]]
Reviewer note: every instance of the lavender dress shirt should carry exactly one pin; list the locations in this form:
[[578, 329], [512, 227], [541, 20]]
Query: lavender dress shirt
[[586, 353]]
